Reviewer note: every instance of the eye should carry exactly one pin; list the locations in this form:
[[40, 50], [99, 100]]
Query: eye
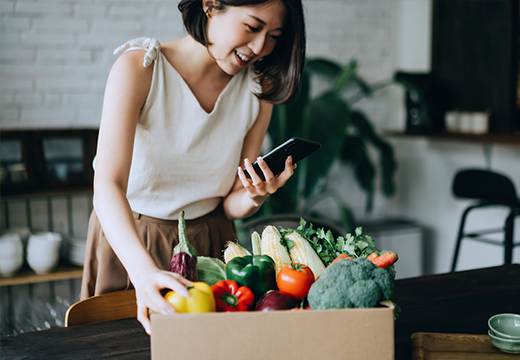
[[275, 37], [252, 29]]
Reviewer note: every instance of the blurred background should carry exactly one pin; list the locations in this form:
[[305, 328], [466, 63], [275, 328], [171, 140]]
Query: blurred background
[[433, 89]]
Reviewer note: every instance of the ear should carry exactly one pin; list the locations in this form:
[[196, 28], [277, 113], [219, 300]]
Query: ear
[[205, 5], [209, 5]]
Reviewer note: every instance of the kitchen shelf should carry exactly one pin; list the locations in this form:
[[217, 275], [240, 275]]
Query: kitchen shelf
[[64, 271], [486, 139], [80, 190]]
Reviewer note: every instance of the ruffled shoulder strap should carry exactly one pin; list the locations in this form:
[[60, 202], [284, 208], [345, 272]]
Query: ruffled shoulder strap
[[151, 46]]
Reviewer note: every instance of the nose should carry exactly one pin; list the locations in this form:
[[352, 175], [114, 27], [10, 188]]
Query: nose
[[257, 44]]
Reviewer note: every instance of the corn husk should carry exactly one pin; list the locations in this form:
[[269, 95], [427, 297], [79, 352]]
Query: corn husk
[[233, 250], [308, 256], [255, 243], [271, 245]]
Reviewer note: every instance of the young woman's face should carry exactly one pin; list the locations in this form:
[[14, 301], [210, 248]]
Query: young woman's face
[[240, 35]]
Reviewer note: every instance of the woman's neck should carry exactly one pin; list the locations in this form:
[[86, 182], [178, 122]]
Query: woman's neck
[[195, 60]]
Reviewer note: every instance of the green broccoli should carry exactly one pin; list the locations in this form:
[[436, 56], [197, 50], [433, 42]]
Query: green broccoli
[[348, 283], [385, 280]]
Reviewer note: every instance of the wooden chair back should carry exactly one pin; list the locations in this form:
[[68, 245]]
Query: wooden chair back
[[106, 307]]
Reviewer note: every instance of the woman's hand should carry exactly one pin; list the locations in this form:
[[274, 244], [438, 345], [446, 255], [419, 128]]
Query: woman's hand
[[149, 298], [259, 190]]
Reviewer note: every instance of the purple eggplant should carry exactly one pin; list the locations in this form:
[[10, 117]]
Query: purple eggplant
[[274, 300], [184, 258]]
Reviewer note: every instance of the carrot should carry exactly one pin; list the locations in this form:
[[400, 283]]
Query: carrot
[[372, 256], [341, 256], [385, 260]]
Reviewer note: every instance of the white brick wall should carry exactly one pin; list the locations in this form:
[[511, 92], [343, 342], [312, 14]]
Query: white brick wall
[[55, 55]]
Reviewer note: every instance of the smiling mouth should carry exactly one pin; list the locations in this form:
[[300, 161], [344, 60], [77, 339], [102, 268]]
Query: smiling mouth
[[242, 59]]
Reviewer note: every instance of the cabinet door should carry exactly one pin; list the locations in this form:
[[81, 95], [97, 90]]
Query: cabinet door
[[35, 161], [475, 54]]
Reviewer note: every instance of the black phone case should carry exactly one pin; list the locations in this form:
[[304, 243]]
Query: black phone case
[[296, 147]]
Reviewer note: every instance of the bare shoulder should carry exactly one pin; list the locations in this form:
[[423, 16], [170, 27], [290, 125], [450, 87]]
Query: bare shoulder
[[170, 45], [128, 78], [131, 63]]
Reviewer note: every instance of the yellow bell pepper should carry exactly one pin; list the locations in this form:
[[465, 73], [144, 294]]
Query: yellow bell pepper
[[201, 299]]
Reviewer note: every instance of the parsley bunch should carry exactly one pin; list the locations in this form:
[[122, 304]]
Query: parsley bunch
[[327, 247]]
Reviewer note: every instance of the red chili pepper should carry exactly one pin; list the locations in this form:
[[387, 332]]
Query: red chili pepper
[[230, 297]]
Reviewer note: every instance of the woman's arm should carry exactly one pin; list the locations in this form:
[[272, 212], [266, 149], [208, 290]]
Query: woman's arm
[[247, 195], [126, 91]]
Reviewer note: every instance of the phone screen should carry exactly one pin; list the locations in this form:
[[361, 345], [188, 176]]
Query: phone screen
[[296, 147]]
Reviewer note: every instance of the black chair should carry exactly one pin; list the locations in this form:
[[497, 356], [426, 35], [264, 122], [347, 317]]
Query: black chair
[[489, 189]]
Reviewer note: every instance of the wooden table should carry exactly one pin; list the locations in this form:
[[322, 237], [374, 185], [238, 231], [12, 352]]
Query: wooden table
[[459, 303], [450, 303]]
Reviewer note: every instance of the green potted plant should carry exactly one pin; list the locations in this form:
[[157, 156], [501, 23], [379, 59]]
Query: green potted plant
[[345, 133]]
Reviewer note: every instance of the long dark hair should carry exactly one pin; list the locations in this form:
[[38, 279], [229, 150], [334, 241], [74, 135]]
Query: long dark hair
[[279, 72]]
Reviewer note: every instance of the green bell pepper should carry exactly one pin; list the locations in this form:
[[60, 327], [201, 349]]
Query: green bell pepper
[[257, 272]]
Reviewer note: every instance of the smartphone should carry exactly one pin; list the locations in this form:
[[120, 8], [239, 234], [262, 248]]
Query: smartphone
[[296, 147]]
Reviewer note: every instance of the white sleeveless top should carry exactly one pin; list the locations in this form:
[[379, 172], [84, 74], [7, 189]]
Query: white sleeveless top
[[185, 158]]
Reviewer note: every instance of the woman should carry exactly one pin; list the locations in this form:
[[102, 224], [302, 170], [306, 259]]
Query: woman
[[178, 118]]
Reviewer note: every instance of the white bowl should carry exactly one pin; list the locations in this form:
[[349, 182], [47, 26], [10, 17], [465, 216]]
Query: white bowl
[[43, 251], [10, 245], [44, 241], [10, 266], [22, 231], [42, 264]]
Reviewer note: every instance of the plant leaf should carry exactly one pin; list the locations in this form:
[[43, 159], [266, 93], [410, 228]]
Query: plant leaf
[[346, 75], [323, 67], [347, 218], [354, 152], [387, 162], [366, 90], [286, 118], [332, 112], [388, 167]]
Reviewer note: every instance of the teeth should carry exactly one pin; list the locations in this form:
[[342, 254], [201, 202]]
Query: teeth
[[242, 57]]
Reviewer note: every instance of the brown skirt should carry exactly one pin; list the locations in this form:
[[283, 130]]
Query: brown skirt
[[104, 273]]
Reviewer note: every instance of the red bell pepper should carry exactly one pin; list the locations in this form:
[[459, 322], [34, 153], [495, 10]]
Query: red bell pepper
[[230, 297]]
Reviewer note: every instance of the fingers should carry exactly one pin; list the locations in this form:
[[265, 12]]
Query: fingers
[[254, 185], [268, 174], [287, 173], [171, 281], [142, 317], [245, 181], [150, 298], [258, 188], [252, 173], [175, 282]]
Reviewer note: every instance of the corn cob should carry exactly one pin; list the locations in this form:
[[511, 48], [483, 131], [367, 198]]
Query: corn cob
[[234, 250], [297, 251], [270, 245], [302, 252]]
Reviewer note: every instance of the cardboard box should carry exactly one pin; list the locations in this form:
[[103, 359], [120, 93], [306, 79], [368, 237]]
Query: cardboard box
[[331, 334]]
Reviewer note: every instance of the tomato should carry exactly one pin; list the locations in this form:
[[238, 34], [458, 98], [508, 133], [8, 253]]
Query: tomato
[[295, 280]]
